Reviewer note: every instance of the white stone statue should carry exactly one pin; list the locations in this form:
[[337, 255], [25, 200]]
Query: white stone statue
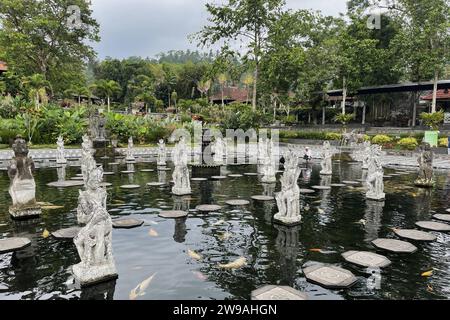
[[365, 155], [219, 148], [87, 160], [288, 200], [61, 172], [61, 157], [425, 160], [162, 153], [23, 187], [327, 156], [269, 165], [375, 184], [94, 241], [182, 184], [130, 157]]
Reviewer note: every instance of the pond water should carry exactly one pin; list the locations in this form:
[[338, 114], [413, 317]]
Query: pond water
[[42, 271]]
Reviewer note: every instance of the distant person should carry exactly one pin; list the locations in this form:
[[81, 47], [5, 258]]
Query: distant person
[[308, 154]]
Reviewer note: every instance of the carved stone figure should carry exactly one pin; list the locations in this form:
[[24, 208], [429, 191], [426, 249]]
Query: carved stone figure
[[288, 200], [97, 127], [268, 166], [182, 184], [94, 241], [23, 187], [374, 183], [365, 155], [219, 149], [61, 157], [425, 161], [130, 157], [162, 153], [327, 155]]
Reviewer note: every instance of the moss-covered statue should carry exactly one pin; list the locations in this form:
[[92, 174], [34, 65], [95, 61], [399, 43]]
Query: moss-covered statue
[[23, 187], [425, 161]]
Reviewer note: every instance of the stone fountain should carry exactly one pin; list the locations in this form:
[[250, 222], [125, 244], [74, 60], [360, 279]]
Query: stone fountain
[[182, 184], [23, 187], [425, 160], [374, 182]]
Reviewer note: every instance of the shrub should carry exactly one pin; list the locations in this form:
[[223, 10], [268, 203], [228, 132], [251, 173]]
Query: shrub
[[443, 142], [381, 139], [290, 120], [432, 120], [408, 143], [333, 136], [344, 118]]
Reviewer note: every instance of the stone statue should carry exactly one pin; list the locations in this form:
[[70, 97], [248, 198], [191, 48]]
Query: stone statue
[[97, 127], [288, 200], [162, 153], [365, 155], [268, 166], [87, 159], [375, 184], [219, 149], [23, 187], [61, 157], [425, 161], [182, 184], [327, 155], [94, 241], [130, 157]]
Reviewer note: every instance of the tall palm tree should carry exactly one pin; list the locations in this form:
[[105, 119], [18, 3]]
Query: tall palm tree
[[37, 86], [203, 86], [79, 91], [107, 89], [248, 80], [222, 78]]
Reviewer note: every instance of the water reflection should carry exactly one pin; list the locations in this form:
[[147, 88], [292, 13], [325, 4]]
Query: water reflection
[[269, 189], [61, 172], [287, 244], [372, 219], [180, 230], [162, 177], [101, 291]]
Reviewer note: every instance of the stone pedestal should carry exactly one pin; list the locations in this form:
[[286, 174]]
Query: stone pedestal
[[287, 221], [94, 274], [25, 212]]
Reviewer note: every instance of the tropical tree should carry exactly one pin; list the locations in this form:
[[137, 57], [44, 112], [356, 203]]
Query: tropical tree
[[247, 80], [222, 79], [107, 89], [36, 86], [78, 91]]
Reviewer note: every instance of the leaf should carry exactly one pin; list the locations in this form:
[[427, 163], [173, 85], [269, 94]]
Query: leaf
[[139, 291], [315, 250], [45, 234], [153, 233], [194, 255], [427, 273], [239, 263]]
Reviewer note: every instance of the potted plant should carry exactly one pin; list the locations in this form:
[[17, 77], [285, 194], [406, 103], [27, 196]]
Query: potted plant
[[432, 120]]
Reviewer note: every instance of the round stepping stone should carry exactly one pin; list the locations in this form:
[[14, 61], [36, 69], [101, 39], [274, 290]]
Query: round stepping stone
[[415, 235], [337, 185], [321, 187], [351, 182], [263, 198], [66, 234], [113, 163], [127, 223], [208, 208], [366, 259], [79, 175], [127, 172], [147, 170], [66, 184], [330, 276], [13, 244], [108, 173], [218, 177], [250, 174], [277, 293], [393, 245], [442, 217], [199, 179], [235, 175], [307, 191], [105, 184], [237, 202], [163, 169], [77, 178], [156, 184], [448, 210], [174, 214], [434, 226], [130, 186], [387, 176]]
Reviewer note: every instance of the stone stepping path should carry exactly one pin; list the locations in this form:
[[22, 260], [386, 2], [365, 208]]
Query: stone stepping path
[[338, 185], [366, 259], [235, 175], [127, 223], [237, 202], [307, 191], [352, 183], [277, 293], [251, 174], [76, 178], [130, 186], [127, 172], [321, 187], [13, 244], [163, 169], [395, 246], [263, 198], [434, 226], [199, 179], [108, 173], [66, 184], [114, 163], [218, 177], [66, 234], [416, 235], [156, 184], [208, 208], [331, 277], [105, 184], [147, 170], [442, 217], [173, 214]]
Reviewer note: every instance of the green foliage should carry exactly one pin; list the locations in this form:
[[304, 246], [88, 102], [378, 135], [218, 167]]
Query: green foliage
[[333, 136], [432, 120], [443, 143], [344, 118], [408, 143], [381, 139]]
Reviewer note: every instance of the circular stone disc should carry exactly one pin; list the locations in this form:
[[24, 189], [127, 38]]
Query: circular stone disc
[[263, 198], [163, 169], [147, 170], [351, 182], [76, 178], [321, 187], [337, 185], [250, 174], [307, 191], [330, 276], [208, 208], [416, 235], [237, 202], [108, 173], [127, 223], [173, 214], [130, 186], [127, 172], [13, 244], [396, 246], [66, 184], [366, 259], [105, 184], [235, 175], [442, 217], [199, 179], [278, 293], [218, 177], [66, 234], [434, 226], [113, 163], [155, 184]]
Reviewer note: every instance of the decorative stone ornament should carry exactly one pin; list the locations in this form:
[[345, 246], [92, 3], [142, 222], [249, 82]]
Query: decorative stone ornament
[[327, 155], [268, 163], [182, 184], [162, 153], [425, 160], [130, 157], [61, 157], [374, 182]]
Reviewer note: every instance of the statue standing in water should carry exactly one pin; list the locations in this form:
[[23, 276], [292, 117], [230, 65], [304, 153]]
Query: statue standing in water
[[425, 161]]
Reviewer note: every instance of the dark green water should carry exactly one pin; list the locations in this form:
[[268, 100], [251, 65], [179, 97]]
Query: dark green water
[[42, 271]]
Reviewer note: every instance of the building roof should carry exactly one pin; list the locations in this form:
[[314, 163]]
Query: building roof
[[3, 66], [231, 94], [443, 94]]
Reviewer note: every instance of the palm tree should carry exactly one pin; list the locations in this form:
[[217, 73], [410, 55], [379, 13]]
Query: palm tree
[[222, 78], [37, 86], [107, 89], [203, 86], [248, 80], [79, 91]]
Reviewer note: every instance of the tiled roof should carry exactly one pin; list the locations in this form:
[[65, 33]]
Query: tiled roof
[[441, 95], [232, 94]]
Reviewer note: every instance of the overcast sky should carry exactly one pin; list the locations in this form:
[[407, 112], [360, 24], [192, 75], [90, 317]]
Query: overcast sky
[[147, 27]]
